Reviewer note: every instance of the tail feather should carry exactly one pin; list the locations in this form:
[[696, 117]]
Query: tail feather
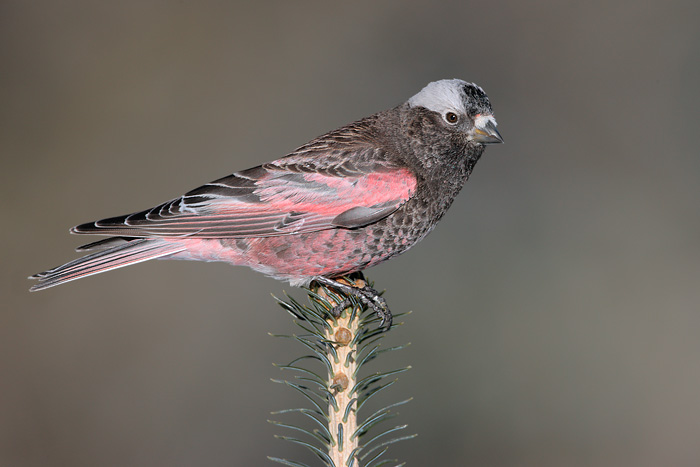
[[125, 254]]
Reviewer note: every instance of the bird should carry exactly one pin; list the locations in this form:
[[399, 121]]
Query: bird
[[343, 202]]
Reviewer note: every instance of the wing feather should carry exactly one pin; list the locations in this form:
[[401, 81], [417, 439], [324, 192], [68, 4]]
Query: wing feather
[[333, 182]]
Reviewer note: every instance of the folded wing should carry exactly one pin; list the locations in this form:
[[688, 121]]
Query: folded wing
[[288, 196]]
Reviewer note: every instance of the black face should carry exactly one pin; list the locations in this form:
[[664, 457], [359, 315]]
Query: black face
[[476, 100]]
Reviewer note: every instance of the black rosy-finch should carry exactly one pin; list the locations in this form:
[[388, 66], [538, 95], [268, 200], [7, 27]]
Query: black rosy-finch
[[345, 201]]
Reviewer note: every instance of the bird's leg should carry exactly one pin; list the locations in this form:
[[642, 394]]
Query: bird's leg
[[366, 295]]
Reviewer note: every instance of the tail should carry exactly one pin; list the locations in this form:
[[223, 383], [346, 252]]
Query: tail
[[126, 252]]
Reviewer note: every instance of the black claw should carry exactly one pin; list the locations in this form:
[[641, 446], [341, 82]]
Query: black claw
[[366, 295]]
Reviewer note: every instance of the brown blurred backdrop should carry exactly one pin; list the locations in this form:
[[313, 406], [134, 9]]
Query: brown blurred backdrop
[[556, 307]]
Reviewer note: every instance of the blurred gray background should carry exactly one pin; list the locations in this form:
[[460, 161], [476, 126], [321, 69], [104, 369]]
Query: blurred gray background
[[556, 307]]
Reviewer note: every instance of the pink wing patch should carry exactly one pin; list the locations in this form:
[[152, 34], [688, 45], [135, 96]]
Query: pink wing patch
[[275, 202], [330, 196]]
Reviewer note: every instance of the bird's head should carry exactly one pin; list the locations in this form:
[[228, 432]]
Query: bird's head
[[462, 108]]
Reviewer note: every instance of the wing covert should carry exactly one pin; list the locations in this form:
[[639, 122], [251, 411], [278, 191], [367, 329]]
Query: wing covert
[[284, 197]]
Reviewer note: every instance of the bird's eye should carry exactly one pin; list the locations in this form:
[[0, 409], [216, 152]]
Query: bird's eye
[[451, 117]]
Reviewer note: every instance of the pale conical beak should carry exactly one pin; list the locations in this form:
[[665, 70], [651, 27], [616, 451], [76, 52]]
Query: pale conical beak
[[485, 131]]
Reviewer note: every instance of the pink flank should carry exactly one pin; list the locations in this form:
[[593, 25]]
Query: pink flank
[[296, 258]]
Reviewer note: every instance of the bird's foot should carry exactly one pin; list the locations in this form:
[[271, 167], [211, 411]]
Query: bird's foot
[[366, 295]]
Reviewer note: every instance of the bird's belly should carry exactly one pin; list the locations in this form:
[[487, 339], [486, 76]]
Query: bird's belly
[[298, 258]]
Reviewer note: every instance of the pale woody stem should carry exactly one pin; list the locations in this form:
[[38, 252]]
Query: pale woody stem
[[343, 420]]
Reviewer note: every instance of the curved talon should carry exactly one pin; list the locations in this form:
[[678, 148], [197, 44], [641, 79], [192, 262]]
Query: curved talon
[[366, 295], [378, 304]]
